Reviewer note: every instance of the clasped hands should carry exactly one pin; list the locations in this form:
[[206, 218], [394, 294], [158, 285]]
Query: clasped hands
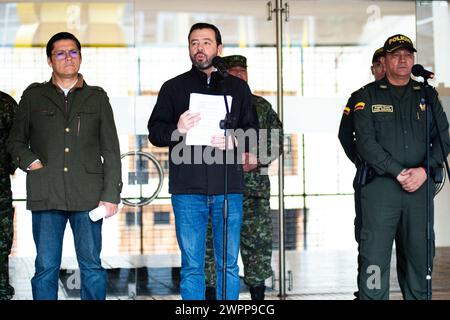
[[412, 179]]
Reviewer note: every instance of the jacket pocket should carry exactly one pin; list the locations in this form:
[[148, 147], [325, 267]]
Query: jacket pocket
[[93, 167], [37, 184], [87, 123], [92, 182], [384, 125], [420, 126]]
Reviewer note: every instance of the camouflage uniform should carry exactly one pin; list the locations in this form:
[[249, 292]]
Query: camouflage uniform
[[8, 108], [256, 231]]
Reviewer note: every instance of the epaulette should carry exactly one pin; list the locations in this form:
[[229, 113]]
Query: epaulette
[[35, 85], [354, 93], [96, 88]]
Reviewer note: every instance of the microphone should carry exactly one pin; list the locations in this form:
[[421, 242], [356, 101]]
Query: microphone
[[418, 71], [220, 65]]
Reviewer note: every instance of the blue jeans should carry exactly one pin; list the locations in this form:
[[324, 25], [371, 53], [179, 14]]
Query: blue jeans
[[48, 234], [191, 219]]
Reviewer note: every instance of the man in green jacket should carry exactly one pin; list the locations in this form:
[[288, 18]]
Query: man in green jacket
[[8, 108], [390, 128], [65, 138]]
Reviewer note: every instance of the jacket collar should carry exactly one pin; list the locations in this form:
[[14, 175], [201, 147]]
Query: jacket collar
[[78, 85], [56, 95], [215, 76]]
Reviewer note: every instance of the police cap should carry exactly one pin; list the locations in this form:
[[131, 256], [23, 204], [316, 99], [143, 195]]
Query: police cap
[[398, 41], [378, 54]]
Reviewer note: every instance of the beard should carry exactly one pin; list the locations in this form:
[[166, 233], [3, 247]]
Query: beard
[[201, 65]]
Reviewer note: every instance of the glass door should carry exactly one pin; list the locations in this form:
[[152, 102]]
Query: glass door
[[327, 50]]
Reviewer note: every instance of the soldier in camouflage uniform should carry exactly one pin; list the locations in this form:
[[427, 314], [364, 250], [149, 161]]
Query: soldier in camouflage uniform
[[8, 108], [256, 231]]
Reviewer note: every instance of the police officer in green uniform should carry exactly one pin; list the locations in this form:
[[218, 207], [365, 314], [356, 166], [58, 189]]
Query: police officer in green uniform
[[390, 128], [8, 108], [347, 138], [256, 231]]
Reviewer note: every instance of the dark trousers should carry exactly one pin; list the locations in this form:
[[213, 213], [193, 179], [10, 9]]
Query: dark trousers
[[388, 213]]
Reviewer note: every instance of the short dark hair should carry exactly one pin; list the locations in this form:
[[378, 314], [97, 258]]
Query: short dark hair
[[204, 25], [61, 36]]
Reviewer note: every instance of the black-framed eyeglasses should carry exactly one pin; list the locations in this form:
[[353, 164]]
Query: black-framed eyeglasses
[[63, 54]]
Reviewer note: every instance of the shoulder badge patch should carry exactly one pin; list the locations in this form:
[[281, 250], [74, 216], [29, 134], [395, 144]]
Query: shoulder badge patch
[[359, 106], [347, 111], [382, 108]]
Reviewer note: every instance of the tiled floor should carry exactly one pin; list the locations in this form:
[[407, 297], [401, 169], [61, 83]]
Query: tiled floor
[[316, 275]]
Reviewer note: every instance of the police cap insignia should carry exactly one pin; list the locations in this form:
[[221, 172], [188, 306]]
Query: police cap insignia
[[398, 41]]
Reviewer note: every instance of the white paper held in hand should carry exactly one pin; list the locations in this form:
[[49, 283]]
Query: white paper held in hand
[[97, 213]]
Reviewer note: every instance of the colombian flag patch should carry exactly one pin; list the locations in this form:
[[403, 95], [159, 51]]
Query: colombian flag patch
[[359, 106], [347, 111]]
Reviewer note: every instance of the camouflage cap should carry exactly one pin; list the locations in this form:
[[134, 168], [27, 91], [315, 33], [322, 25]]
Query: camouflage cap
[[398, 41], [378, 54], [235, 61]]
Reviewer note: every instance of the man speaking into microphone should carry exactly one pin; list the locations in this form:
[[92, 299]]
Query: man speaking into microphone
[[390, 125], [198, 187]]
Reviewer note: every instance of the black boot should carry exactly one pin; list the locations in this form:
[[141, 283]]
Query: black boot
[[210, 293], [257, 292]]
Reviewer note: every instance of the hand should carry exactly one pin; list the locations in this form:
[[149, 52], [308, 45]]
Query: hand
[[187, 121], [402, 176], [111, 208], [249, 161], [35, 166], [218, 141], [412, 179]]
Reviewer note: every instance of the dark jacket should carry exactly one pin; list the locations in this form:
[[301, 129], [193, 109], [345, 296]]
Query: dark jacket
[[391, 130], [173, 100], [70, 136], [347, 129], [8, 109]]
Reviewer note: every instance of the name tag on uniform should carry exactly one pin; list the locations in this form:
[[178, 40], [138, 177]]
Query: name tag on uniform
[[382, 108]]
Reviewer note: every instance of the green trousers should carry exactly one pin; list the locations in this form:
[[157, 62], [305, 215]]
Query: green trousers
[[388, 213]]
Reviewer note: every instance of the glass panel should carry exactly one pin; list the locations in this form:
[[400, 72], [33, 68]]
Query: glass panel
[[327, 55], [433, 45], [129, 48]]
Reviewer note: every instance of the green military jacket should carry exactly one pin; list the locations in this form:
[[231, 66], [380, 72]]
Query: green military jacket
[[75, 138], [8, 109], [257, 183], [391, 129]]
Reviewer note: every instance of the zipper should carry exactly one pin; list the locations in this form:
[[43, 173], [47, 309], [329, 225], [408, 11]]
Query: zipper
[[78, 125]]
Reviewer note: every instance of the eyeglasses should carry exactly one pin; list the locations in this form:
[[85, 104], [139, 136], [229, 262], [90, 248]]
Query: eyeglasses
[[63, 54]]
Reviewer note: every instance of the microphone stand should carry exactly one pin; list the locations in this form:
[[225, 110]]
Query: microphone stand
[[225, 124], [429, 118]]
